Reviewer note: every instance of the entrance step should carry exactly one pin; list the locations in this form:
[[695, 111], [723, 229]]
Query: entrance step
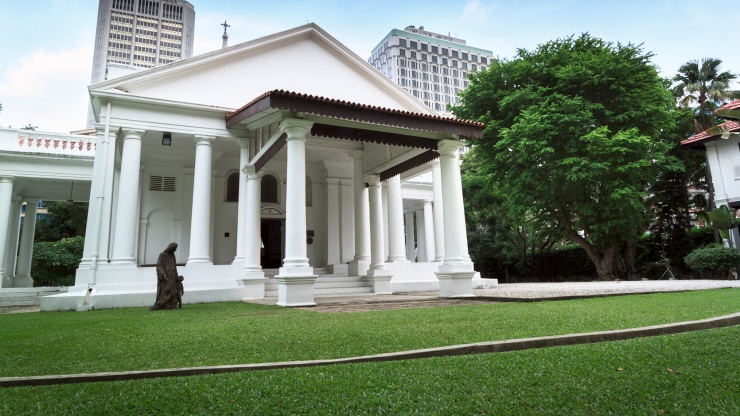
[[30, 296], [327, 284]]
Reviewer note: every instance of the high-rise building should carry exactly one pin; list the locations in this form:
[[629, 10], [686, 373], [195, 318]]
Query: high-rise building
[[431, 66], [137, 34]]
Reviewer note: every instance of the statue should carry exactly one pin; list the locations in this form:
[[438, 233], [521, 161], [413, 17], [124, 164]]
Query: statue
[[169, 283]]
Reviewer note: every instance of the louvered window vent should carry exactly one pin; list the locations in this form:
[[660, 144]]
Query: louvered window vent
[[162, 183]]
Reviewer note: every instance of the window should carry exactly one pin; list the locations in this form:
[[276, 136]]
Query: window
[[483, 60], [455, 73], [402, 42], [402, 72], [434, 59], [474, 67], [435, 49], [444, 61], [444, 51], [401, 62], [414, 74], [464, 65], [412, 54], [454, 63], [413, 45], [402, 52], [454, 54], [474, 58], [423, 57], [269, 189], [423, 46], [464, 55], [232, 187]]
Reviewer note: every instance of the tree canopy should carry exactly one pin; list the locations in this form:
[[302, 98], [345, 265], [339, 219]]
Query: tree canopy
[[573, 139], [703, 83]]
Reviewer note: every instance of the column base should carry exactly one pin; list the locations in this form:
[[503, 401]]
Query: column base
[[456, 280], [380, 279], [254, 284], [238, 260], [199, 262], [358, 267], [120, 263], [398, 260], [295, 286], [23, 281], [7, 282]]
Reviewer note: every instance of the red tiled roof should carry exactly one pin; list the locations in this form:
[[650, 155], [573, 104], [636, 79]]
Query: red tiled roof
[[287, 100], [732, 105], [712, 132]]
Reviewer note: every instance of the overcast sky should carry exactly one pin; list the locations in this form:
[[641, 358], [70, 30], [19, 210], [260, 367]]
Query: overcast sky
[[46, 46]]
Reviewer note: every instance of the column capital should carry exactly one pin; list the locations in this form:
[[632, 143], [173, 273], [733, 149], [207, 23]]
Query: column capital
[[434, 163], [251, 172], [332, 181], [135, 134], [357, 154], [296, 128], [449, 147], [32, 200], [203, 139], [6, 179], [243, 143], [372, 180]]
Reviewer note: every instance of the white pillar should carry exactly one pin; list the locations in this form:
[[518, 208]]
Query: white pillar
[[410, 240], [463, 225], [384, 206], [295, 279], [378, 272], [200, 225], [6, 196], [241, 230], [396, 250], [127, 212], [455, 274], [347, 223], [421, 237], [429, 229], [333, 239], [253, 277], [439, 232], [361, 262], [23, 273], [11, 247]]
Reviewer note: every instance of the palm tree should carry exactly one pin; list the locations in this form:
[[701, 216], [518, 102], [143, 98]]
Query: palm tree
[[701, 82]]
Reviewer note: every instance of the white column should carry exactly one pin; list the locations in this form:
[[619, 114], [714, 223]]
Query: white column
[[429, 229], [439, 232], [463, 225], [253, 278], [23, 274], [11, 247], [396, 251], [378, 272], [421, 237], [455, 274], [241, 230], [347, 223], [6, 195], [333, 239], [295, 278], [384, 206], [361, 262], [200, 225], [127, 212], [410, 240]]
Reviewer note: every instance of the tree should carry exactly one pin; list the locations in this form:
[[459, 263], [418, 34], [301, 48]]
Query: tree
[[701, 82], [64, 220], [571, 139], [29, 126]]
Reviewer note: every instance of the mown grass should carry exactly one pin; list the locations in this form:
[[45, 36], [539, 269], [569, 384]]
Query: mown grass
[[239, 333], [686, 374]]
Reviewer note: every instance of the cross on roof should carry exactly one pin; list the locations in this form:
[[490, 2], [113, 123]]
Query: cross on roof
[[225, 25]]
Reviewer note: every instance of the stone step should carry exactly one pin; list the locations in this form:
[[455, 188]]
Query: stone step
[[27, 296], [273, 293]]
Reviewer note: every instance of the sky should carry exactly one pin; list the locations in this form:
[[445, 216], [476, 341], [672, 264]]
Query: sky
[[46, 46]]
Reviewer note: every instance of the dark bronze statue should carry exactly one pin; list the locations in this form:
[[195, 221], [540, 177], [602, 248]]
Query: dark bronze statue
[[169, 283]]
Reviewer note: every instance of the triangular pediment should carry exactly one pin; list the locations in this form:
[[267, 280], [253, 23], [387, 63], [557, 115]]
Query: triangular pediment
[[305, 59]]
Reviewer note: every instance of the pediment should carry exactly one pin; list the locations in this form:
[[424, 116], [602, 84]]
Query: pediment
[[305, 59]]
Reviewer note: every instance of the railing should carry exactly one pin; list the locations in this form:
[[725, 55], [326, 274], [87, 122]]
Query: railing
[[27, 141]]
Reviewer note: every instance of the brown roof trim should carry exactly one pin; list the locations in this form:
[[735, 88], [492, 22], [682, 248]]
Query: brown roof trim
[[414, 162], [712, 133], [309, 104], [272, 151], [362, 135]]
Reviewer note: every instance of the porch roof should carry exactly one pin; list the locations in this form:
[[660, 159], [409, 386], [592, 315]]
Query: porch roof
[[712, 133], [277, 100]]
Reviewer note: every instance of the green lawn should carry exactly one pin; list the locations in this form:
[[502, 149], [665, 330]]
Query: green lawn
[[239, 333], [685, 374]]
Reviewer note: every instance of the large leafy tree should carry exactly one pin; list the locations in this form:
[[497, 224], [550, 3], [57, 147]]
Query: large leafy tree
[[703, 83], [571, 139]]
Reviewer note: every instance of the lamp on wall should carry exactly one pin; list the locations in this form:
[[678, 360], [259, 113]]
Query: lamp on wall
[[166, 139]]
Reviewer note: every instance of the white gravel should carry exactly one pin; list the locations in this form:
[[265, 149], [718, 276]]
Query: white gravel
[[568, 289]]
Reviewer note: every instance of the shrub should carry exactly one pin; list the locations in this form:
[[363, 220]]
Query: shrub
[[54, 263], [713, 258]]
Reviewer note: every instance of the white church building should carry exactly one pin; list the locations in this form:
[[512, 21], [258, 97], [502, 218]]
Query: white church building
[[279, 166]]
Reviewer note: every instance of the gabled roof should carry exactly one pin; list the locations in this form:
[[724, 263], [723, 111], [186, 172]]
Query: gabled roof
[[712, 133], [314, 71], [729, 110]]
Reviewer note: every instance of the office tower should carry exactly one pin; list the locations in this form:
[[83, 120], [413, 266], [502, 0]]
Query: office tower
[[136, 34], [431, 66]]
